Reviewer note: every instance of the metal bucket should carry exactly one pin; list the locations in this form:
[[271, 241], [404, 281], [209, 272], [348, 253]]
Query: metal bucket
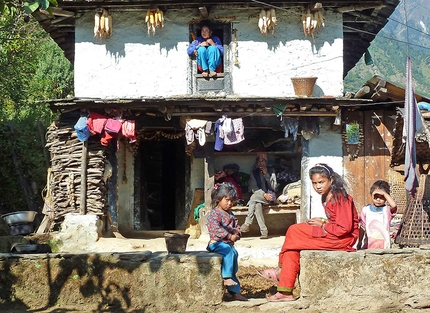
[[21, 229], [176, 243]]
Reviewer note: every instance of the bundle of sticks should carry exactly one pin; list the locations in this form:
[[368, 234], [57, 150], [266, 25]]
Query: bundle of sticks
[[65, 178]]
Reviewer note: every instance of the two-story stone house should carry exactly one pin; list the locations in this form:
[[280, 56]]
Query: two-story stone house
[[146, 76]]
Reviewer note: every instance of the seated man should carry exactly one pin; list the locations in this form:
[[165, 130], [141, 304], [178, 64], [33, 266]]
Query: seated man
[[208, 50], [263, 184]]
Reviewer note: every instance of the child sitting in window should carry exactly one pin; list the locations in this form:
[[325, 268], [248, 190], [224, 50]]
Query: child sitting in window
[[375, 218]]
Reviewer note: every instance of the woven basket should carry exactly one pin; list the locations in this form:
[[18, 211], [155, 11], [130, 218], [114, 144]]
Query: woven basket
[[304, 86], [415, 226], [397, 190]]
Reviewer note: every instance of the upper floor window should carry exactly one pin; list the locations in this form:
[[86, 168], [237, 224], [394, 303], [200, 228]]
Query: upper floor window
[[209, 57]]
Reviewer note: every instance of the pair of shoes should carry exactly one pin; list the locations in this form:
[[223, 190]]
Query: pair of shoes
[[264, 236], [269, 274], [280, 297], [244, 228]]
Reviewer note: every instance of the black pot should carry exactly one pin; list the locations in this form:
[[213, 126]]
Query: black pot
[[21, 229], [26, 248]]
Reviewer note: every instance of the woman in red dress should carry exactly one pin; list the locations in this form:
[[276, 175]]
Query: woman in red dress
[[338, 232]]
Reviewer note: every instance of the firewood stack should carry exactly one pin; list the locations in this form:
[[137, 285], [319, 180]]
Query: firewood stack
[[65, 179]]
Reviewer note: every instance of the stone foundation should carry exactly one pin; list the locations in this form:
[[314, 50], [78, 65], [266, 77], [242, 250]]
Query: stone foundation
[[366, 281], [394, 280], [155, 282]]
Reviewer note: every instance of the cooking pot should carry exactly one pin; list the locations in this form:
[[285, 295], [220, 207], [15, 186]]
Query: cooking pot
[[19, 217], [26, 248], [21, 229]]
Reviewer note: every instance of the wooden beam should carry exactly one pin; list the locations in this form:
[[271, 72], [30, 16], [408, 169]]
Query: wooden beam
[[83, 195]]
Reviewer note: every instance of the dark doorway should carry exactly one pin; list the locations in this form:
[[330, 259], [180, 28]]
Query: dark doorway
[[162, 167]]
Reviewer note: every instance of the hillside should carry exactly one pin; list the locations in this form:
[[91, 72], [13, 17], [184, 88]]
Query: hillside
[[390, 49]]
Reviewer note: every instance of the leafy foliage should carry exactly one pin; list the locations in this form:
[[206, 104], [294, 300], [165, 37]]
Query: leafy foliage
[[33, 68]]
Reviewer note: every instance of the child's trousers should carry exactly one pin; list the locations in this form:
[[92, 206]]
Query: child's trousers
[[229, 265]]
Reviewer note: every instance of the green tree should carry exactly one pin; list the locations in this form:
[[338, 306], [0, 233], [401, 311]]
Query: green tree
[[33, 68]]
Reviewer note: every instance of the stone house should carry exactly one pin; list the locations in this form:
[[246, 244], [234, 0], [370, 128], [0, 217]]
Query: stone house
[[144, 74]]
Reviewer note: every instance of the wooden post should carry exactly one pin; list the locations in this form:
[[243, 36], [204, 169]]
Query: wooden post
[[209, 172], [82, 208]]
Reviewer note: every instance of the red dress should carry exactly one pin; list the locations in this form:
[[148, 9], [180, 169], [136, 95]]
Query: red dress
[[342, 233]]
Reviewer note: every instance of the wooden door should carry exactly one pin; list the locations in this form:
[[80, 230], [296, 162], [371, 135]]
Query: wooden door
[[372, 161]]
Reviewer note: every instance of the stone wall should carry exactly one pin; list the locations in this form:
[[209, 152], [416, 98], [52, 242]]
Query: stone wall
[[151, 282], [366, 281], [394, 280]]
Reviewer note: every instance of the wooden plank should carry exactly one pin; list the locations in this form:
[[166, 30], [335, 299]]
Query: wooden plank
[[83, 195], [355, 168]]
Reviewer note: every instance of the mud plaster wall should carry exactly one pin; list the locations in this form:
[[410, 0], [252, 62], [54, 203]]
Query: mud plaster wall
[[323, 148], [133, 64]]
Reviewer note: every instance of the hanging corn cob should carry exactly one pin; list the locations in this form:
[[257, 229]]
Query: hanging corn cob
[[267, 21], [312, 20], [154, 19], [102, 24]]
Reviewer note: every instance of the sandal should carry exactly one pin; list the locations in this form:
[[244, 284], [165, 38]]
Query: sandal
[[280, 297], [270, 274]]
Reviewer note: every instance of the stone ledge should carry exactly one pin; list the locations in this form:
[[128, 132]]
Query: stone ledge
[[368, 280], [159, 281]]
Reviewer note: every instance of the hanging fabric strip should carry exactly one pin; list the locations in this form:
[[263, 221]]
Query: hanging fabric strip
[[409, 129]]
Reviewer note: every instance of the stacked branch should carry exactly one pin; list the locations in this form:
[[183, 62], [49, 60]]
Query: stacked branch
[[65, 177]]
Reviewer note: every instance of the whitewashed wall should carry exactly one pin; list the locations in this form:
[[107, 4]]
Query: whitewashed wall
[[133, 64], [324, 148]]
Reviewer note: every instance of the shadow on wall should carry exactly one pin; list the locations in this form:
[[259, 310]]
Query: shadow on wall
[[109, 281]]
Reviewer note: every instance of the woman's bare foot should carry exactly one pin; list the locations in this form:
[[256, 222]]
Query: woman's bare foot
[[281, 296], [239, 297], [212, 74], [205, 74], [229, 282]]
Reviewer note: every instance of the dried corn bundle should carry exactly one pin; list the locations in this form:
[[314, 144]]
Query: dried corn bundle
[[267, 21], [313, 19], [102, 24], [154, 19]]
